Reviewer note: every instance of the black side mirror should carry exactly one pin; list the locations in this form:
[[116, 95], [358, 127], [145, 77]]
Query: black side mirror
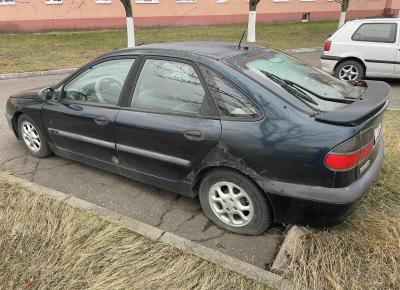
[[47, 94]]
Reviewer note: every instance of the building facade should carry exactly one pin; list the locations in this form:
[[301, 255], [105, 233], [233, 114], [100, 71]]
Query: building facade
[[42, 15]]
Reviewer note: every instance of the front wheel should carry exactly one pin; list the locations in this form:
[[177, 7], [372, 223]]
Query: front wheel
[[349, 71], [233, 202], [33, 139]]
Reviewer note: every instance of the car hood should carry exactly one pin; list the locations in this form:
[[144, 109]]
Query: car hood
[[30, 94]]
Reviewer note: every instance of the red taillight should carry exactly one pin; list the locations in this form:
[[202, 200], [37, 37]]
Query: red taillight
[[341, 162], [348, 154], [327, 46]]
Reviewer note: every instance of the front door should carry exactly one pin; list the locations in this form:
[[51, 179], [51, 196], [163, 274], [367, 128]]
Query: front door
[[82, 122], [168, 127]]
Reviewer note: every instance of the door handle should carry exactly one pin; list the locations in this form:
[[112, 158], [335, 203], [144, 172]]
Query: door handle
[[194, 135], [101, 120]]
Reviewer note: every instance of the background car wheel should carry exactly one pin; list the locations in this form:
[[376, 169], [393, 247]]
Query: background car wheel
[[32, 138], [349, 71], [233, 202]]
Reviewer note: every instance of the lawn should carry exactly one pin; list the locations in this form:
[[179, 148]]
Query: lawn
[[33, 52], [46, 244], [364, 252]]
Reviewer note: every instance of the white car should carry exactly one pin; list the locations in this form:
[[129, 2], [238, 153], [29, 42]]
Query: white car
[[363, 48]]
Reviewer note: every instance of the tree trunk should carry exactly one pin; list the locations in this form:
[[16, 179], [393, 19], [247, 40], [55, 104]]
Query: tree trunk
[[343, 10], [130, 27], [251, 26], [342, 18]]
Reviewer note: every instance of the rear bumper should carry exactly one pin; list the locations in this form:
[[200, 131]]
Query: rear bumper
[[316, 205], [328, 63]]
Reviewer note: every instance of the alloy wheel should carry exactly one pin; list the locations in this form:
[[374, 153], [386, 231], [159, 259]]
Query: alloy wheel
[[231, 204], [30, 135], [348, 73]]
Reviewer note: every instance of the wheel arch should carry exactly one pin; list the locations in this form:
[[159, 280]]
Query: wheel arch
[[353, 58], [14, 122]]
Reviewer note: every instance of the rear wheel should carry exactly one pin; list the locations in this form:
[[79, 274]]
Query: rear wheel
[[233, 202], [32, 138], [349, 70]]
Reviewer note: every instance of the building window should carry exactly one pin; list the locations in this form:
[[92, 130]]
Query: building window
[[103, 1], [305, 17], [54, 1], [147, 1], [7, 2], [185, 1]]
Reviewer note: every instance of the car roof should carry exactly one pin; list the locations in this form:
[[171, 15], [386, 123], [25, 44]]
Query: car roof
[[377, 20], [211, 49]]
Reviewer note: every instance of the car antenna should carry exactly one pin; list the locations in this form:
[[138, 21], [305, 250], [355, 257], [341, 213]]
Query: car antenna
[[241, 39], [169, 24]]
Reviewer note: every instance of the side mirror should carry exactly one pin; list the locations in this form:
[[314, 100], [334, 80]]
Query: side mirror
[[47, 94]]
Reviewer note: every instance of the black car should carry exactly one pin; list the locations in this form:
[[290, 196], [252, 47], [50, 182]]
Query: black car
[[259, 135]]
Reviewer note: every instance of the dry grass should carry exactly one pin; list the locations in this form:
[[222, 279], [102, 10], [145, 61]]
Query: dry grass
[[45, 244], [54, 50], [364, 252]]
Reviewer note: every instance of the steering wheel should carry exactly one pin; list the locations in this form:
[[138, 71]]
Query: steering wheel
[[108, 81]]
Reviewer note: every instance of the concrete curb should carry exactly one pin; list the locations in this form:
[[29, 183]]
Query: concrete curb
[[157, 235], [285, 254], [36, 73], [303, 50]]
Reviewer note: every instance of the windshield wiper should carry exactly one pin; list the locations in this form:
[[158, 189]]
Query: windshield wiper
[[288, 86]]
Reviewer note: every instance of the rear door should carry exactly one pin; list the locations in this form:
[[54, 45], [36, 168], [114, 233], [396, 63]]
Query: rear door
[[376, 44], [82, 122], [169, 124]]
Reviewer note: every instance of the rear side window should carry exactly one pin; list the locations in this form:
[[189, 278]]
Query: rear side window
[[376, 32], [231, 102]]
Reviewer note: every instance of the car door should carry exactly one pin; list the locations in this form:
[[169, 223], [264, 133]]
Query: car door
[[376, 44], [81, 122], [169, 124]]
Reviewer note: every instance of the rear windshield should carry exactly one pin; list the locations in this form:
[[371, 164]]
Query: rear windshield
[[316, 89]]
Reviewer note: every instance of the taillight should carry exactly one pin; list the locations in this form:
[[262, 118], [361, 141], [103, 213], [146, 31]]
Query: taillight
[[327, 46], [350, 153]]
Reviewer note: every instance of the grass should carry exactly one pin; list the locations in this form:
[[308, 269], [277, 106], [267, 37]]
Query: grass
[[364, 252], [33, 52], [45, 244]]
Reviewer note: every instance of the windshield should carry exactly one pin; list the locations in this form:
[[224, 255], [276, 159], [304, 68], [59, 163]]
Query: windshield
[[314, 88]]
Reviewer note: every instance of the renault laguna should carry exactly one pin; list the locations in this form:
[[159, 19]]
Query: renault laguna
[[257, 135]]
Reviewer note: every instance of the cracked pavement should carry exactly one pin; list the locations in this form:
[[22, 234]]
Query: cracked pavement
[[157, 207]]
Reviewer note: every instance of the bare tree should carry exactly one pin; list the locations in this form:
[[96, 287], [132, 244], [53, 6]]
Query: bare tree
[[251, 26], [130, 27], [344, 6]]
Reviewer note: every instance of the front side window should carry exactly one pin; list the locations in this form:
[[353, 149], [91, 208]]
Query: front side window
[[231, 102], [314, 88], [376, 32], [101, 83], [168, 87]]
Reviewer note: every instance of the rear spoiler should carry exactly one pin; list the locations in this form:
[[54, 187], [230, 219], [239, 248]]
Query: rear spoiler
[[374, 98]]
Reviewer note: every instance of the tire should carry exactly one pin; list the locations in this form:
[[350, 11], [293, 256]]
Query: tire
[[246, 194], [349, 70], [34, 140]]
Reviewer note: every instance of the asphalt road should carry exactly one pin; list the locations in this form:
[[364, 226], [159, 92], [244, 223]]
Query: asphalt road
[[154, 206]]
